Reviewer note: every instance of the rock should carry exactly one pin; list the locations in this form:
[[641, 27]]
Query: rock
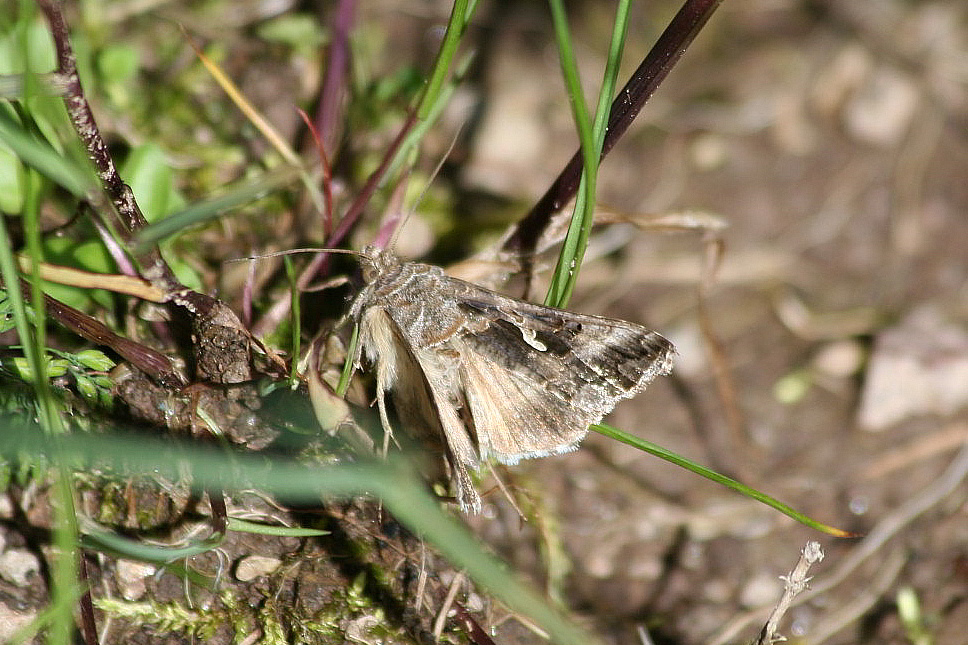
[[12, 620], [18, 565], [253, 566], [132, 578], [918, 367]]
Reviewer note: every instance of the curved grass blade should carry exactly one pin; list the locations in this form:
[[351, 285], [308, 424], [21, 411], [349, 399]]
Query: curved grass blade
[[393, 482], [240, 194], [104, 541], [592, 137], [671, 457], [258, 528]]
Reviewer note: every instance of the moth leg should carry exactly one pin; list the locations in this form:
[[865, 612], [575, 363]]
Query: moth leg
[[507, 493], [381, 404], [467, 495]]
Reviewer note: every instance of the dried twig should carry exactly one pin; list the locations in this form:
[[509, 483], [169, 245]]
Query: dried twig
[[738, 439], [794, 584], [873, 592], [128, 216], [448, 602], [331, 108]]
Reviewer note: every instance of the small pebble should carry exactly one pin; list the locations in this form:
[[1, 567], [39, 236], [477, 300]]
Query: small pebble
[[881, 110], [841, 359], [254, 566], [762, 589], [18, 565], [132, 578], [11, 621]]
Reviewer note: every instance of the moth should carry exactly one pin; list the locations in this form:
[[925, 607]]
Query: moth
[[494, 376]]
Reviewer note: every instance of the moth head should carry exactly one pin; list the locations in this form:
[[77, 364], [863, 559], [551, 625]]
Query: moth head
[[376, 262]]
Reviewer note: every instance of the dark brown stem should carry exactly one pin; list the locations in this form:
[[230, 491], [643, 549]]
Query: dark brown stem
[[356, 208], [88, 624], [152, 363], [220, 515], [129, 217], [353, 213], [651, 72], [209, 316]]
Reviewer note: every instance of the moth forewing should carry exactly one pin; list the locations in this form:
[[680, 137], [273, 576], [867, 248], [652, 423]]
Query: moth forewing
[[381, 347], [526, 379], [537, 396], [438, 370]]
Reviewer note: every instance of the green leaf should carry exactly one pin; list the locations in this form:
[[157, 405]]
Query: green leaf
[[118, 63], [94, 359], [40, 48], [103, 382], [117, 66], [151, 180], [20, 367], [300, 30], [57, 367], [86, 387], [11, 181], [244, 526]]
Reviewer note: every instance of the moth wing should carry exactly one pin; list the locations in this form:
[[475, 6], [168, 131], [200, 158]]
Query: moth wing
[[445, 399], [422, 399], [536, 376], [516, 417]]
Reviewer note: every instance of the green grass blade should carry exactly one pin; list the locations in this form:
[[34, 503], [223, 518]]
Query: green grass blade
[[348, 366], [78, 180], [392, 482], [98, 539], [459, 17], [258, 528], [207, 210], [592, 137], [296, 317], [671, 457]]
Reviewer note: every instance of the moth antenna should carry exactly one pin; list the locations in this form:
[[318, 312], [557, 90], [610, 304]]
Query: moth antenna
[[277, 254], [423, 193]]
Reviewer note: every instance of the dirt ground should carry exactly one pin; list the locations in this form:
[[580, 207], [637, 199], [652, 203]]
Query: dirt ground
[[830, 138]]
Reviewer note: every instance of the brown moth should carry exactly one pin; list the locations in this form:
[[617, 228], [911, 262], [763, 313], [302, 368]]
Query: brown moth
[[494, 376]]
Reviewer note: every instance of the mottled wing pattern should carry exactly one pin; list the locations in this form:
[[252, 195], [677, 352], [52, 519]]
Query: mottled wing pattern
[[537, 377], [515, 417]]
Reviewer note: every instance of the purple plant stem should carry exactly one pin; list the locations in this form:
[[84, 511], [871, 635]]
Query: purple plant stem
[[334, 83]]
